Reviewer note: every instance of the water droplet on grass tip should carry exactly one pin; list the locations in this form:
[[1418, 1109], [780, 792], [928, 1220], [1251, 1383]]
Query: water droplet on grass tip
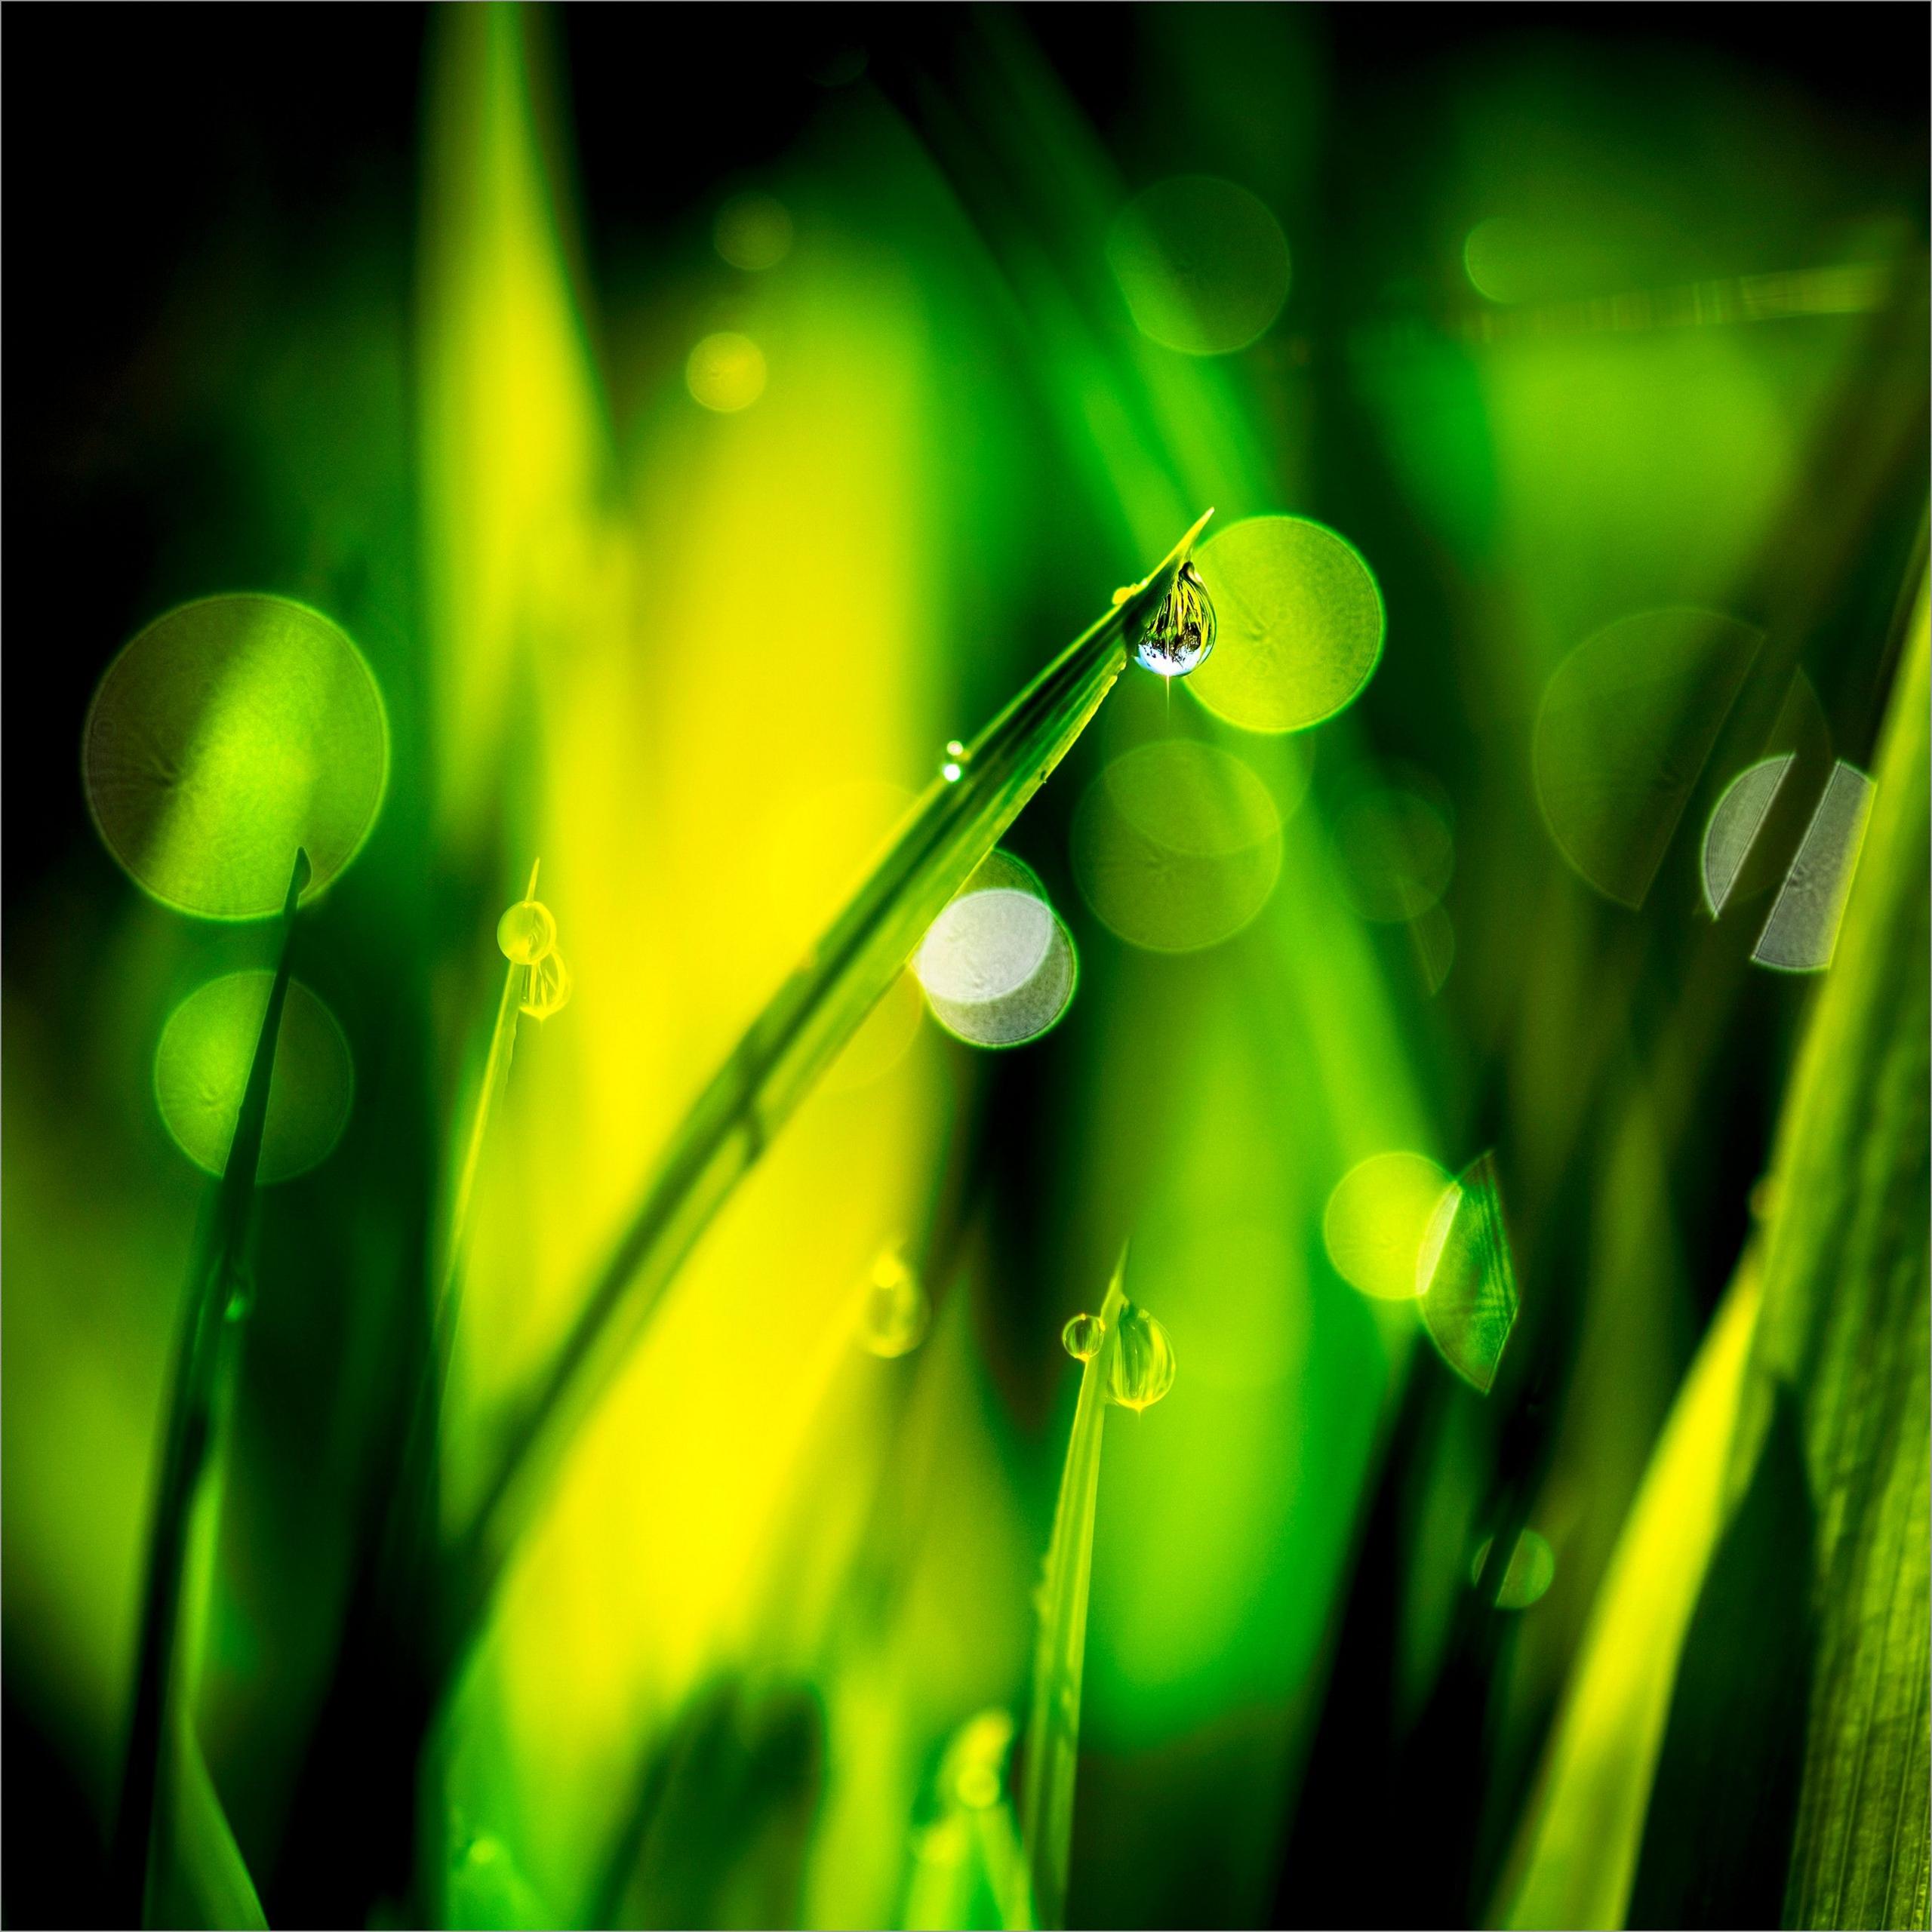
[[1142, 1370], [1180, 634], [547, 991], [1082, 1336], [526, 932], [898, 1310]]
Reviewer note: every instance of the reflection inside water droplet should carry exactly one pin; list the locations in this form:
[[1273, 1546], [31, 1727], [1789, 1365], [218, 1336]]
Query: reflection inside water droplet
[[1082, 1336], [1176, 639], [547, 989], [1143, 1368]]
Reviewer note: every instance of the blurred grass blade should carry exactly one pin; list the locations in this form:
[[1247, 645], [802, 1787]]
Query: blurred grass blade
[[954, 827], [217, 1275], [1845, 1327], [201, 1878], [1577, 1851], [1053, 1730]]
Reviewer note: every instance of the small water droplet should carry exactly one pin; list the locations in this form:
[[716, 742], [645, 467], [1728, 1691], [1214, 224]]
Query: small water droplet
[[549, 988], [1180, 634], [1082, 1336], [897, 1310], [241, 1303], [526, 932], [953, 765], [1142, 1370]]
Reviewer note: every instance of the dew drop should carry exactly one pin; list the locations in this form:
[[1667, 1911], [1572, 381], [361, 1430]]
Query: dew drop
[[897, 1310], [1142, 1371], [549, 988], [1180, 634], [952, 766], [1082, 1336], [526, 932]]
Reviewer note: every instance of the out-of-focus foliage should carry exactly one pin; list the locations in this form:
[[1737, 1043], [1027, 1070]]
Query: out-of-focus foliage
[[698, 488]]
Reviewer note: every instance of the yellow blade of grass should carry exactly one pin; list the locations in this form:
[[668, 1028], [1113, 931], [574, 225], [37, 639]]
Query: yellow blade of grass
[[1577, 1851], [951, 830], [1053, 1730]]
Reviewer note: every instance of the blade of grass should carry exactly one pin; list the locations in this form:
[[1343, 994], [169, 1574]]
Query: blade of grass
[[953, 827], [217, 1275], [1052, 1728], [1845, 1327], [1577, 1851]]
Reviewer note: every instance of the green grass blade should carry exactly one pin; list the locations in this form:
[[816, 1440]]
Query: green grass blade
[[1845, 1327], [1053, 1730], [1576, 1852], [954, 827], [217, 1274]]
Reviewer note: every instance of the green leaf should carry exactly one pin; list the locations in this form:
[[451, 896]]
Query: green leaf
[[776, 1065], [1845, 1327], [1576, 1850], [199, 1876], [1053, 1730], [217, 1275]]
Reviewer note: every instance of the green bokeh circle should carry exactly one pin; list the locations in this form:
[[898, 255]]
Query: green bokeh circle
[[1301, 624], [1203, 264], [1177, 846], [201, 1065], [227, 734]]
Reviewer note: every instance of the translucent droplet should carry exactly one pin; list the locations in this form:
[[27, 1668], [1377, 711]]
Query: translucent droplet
[[1627, 722], [201, 1068], [547, 990], [228, 734], [1802, 932], [1176, 639], [1143, 1368], [1082, 1336], [896, 1311], [1375, 1219], [1203, 264], [241, 1302], [526, 932], [1531, 1571], [1301, 622], [1466, 1277], [1735, 823], [952, 766]]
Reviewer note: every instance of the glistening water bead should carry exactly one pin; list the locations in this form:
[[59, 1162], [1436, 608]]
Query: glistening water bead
[[1082, 1336], [1181, 633], [1142, 1369], [526, 932]]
